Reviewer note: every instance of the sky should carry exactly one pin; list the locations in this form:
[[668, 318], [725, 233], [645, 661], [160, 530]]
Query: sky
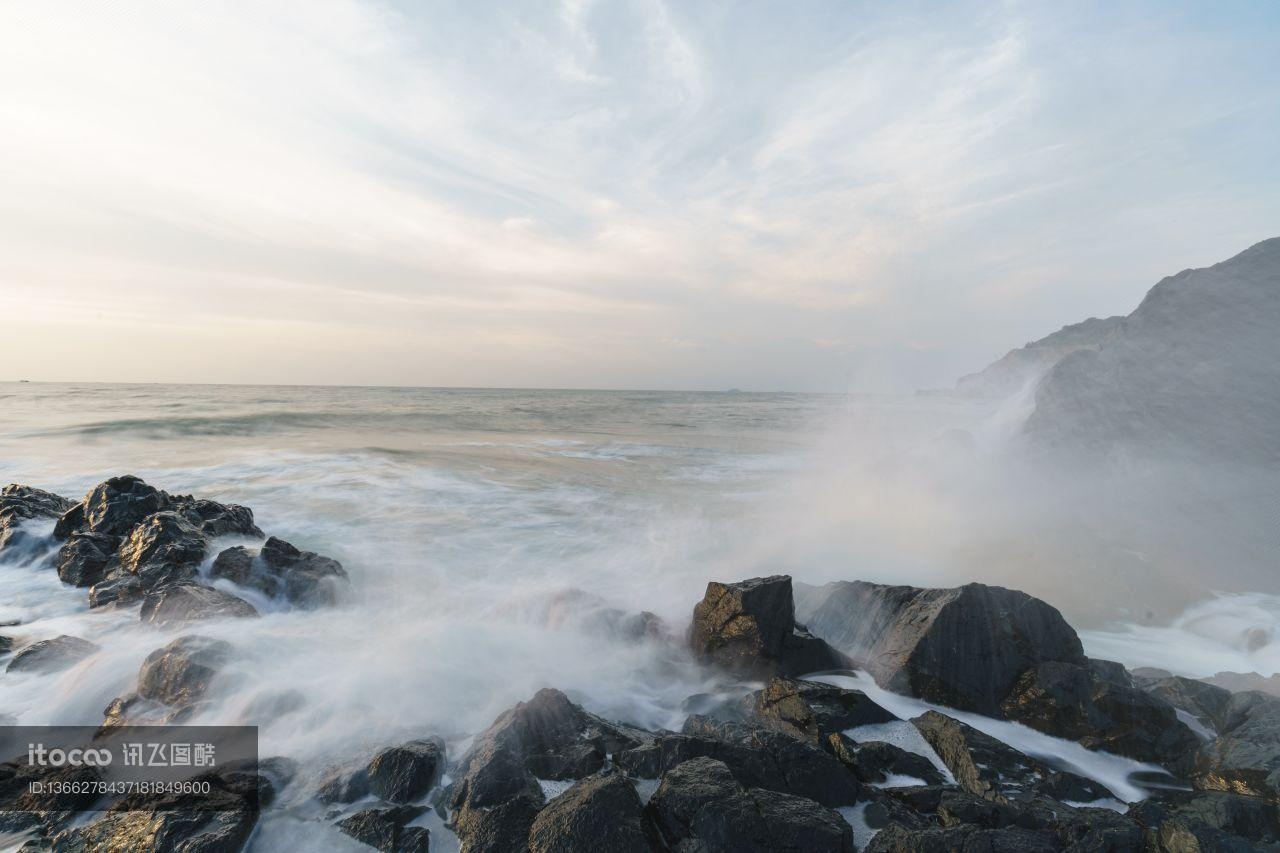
[[810, 196]]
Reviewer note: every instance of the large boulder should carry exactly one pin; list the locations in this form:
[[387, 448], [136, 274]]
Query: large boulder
[[180, 673], [1245, 756], [164, 548], [1069, 701], [497, 794], [1206, 702], [1203, 821], [112, 507], [964, 647], [874, 762], [758, 757], [20, 504], [85, 558], [182, 603], [407, 772], [749, 629], [214, 519], [117, 589], [812, 709], [304, 578], [51, 655], [701, 806], [386, 830], [598, 813]]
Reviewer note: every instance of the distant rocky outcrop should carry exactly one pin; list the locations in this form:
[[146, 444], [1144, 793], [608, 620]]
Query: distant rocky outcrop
[[1029, 363]]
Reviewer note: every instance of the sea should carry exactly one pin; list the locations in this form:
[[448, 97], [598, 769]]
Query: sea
[[492, 535]]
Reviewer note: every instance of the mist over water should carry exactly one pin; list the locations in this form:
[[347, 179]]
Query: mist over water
[[486, 531]]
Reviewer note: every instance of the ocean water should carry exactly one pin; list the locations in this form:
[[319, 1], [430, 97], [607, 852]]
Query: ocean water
[[489, 533]]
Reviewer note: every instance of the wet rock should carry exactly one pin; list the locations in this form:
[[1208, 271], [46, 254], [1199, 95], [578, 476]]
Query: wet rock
[[701, 806], [1067, 701], [84, 559], [175, 605], [758, 757], [215, 519], [180, 673], [987, 768], [35, 809], [1245, 757], [343, 785], [385, 830], [964, 647], [961, 839], [51, 655], [20, 504], [112, 507], [812, 709], [497, 794], [305, 578], [163, 549], [1111, 671], [1205, 702], [119, 589], [404, 773], [597, 813], [749, 629], [876, 761], [218, 822], [576, 609], [1204, 821]]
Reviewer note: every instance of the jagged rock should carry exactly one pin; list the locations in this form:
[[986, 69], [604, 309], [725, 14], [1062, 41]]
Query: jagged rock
[[51, 655], [876, 761], [404, 773], [964, 647], [1240, 682], [343, 785], [1205, 702], [749, 629], [961, 839], [1111, 671], [993, 770], [217, 822], [812, 709], [1068, 701], [84, 559], [701, 806], [497, 795], [305, 578], [758, 757], [214, 519], [36, 808], [385, 829], [598, 813], [118, 589], [180, 673], [174, 605], [1245, 757], [112, 507], [1208, 821], [19, 504], [163, 549]]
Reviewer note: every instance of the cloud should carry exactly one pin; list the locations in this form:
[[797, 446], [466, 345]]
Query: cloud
[[536, 179]]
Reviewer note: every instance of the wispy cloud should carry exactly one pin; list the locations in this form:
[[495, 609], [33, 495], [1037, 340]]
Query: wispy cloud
[[608, 193]]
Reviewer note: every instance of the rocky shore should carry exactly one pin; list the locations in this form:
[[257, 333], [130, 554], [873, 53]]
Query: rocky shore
[[783, 756]]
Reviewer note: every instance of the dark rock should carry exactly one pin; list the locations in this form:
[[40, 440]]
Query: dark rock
[[964, 647], [174, 605], [180, 673], [216, 822], [83, 560], [700, 806], [113, 507], [758, 757], [876, 761], [598, 813], [1205, 702], [1208, 821], [404, 773], [163, 549], [51, 655], [497, 794], [812, 709], [962, 839], [1068, 701], [304, 577], [749, 629], [1111, 671], [118, 590], [214, 519], [385, 829], [19, 504], [343, 785], [1245, 757], [990, 769]]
